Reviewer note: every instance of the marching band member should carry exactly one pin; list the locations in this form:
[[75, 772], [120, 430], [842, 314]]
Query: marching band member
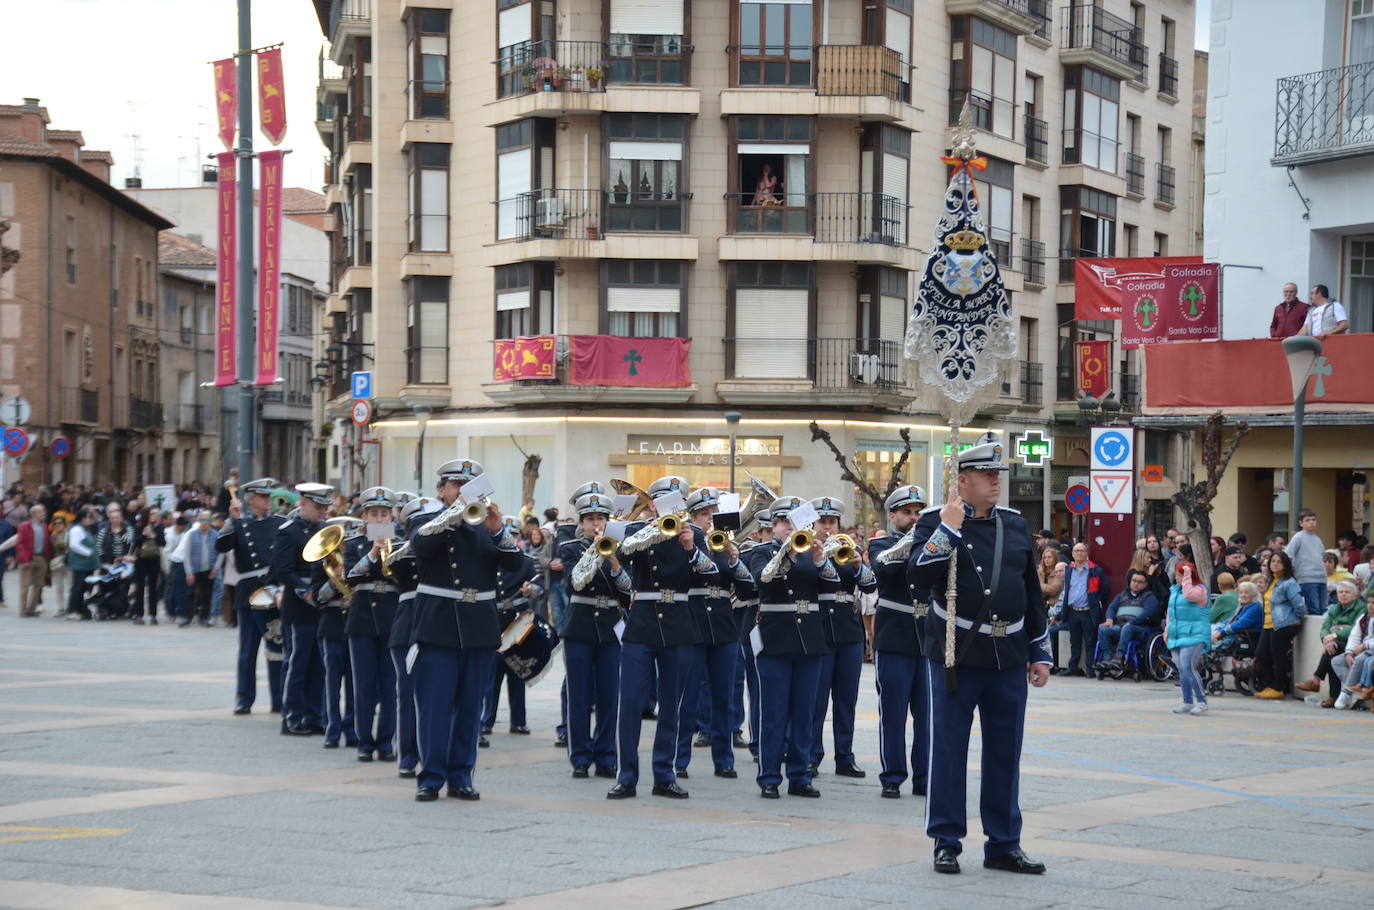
[[591, 649], [303, 698], [755, 558], [663, 570], [710, 673], [515, 588], [333, 639], [369, 623], [898, 647], [456, 632], [1000, 629], [788, 661], [417, 511], [562, 534], [248, 536], [844, 637]]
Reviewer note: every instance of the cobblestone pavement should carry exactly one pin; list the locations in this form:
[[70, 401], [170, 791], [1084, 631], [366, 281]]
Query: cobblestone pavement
[[126, 782]]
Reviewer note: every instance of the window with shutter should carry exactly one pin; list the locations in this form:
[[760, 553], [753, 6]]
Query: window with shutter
[[771, 333]]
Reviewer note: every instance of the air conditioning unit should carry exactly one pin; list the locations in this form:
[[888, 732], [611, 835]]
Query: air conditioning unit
[[865, 367], [549, 212]]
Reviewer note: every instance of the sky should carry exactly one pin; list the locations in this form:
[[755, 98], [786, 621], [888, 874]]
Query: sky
[[143, 87], [127, 68]]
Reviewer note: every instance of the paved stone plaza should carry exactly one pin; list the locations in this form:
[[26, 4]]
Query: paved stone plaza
[[126, 782]]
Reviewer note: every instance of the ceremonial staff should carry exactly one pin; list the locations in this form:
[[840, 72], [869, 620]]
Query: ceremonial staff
[[960, 328]]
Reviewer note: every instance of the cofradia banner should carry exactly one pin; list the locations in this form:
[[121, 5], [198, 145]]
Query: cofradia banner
[[1097, 282], [226, 100], [225, 351], [643, 362], [271, 96], [269, 270], [1183, 305]]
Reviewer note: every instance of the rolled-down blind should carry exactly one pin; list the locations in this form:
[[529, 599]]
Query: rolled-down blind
[[891, 318], [771, 334], [643, 300], [512, 179], [647, 151], [773, 148], [646, 17], [512, 300], [895, 185], [514, 25]]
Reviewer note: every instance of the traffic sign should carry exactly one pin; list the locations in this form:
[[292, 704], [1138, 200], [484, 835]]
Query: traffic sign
[[1111, 493], [60, 447], [16, 441], [1111, 449], [1152, 473], [15, 412], [1077, 499], [362, 411], [362, 384], [1034, 448]]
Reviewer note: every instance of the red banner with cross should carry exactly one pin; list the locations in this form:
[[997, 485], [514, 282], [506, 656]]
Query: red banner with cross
[[1097, 282], [616, 361], [1183, 305], [1095, 367]]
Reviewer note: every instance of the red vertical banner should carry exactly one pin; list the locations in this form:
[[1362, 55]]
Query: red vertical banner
[[271, 96], [1095, 367], [503, 366], [226, 99], [535, 356], [225, 349], [269, 265]]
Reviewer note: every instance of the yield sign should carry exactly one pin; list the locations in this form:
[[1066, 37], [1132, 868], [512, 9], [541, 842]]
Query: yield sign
[[1111, 492]]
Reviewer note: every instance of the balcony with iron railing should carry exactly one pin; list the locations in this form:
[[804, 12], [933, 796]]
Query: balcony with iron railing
[[1090, 35], [348, 18], [1032, 383], [1164, 184], [1135, 174], [647, 60], [1037, 135], [862, 69], [144, 414], [828, 217], [80, 405], [1020, 17], [839, 371], [1130, 392], [551, 66], [1033, 261], [1324, 116], [555, 214], [1168, 76]]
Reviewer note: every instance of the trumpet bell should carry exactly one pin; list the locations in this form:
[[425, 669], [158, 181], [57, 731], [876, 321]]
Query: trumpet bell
[[605, 546], [669, 525], [801, 540], [718, 540], [846, 550], [474, 513], [322, 543]]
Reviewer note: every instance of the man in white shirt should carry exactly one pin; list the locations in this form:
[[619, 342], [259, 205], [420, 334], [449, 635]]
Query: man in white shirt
[[1324, 315], [176, 574], [197, 552]]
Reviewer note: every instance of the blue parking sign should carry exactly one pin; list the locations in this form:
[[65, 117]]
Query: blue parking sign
[[362, 384]]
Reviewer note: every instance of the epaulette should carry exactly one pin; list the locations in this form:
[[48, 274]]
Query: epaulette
[[285, 524], [1008, 509], [932, 508]]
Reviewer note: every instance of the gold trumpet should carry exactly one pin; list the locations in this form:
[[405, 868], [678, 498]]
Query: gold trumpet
[[801, 540], [670, 525], [842, 549], [719, 540], [606, 546], [326, 545], [386, 558]]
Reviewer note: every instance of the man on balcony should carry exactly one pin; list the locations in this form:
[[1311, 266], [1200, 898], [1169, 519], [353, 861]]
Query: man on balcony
[[1289, 315], [1324, 315]]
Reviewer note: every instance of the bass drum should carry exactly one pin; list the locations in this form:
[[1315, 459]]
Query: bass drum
[[528, 646]]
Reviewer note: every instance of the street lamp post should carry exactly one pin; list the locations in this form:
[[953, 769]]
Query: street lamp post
[[732, 418], [422, 412], [1302, 352]]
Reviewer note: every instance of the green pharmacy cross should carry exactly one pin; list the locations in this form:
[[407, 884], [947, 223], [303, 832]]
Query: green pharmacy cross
[[1034, 448]]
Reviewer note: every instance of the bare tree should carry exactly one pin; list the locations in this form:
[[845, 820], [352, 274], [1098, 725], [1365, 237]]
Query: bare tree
[[1195, 500], [849, 474], [529, 474]]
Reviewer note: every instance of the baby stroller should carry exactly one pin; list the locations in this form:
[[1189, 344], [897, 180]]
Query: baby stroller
[[1233, 656], [107, 591]]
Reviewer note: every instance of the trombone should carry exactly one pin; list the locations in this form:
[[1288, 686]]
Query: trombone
[[326, 545], [842, 549], [642, 500]]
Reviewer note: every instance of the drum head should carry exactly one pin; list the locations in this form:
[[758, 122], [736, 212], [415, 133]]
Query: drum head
[[518, 630]]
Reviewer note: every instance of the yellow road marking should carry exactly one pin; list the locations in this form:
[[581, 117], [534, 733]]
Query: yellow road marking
[[13, 833]]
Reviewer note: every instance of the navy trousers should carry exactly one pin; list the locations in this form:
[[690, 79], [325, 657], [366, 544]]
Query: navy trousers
[[999, 696], [715, 687], [592, 678], [837, 688], [407, 749], [562, 728], [901, 680], [638, 666], [737, 697], [449, 685], [303, 700], [1082, 633], [693, 680], [252, 626], [374, 693], [338, 715], [751, 681], [787, 707], [515, 687]]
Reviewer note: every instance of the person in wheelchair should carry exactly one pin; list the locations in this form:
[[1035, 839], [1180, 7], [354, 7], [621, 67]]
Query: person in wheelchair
[[1247, 620], [1133, 615]]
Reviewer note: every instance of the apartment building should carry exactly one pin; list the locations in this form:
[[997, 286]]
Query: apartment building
[[758, 179]]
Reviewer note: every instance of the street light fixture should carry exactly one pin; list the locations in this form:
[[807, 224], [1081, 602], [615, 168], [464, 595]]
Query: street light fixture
[[732, 418], [422, 412], [1302, 352]]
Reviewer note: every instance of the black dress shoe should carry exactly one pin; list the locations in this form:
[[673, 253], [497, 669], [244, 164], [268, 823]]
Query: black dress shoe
[[604, 772], [242, 710], [850, 771], [682, 774], [702, 741], [298, 730], [426, 794], [483, 743], [727, 772], [561, 742], [946, 861], [892, 791], [406, 773], [670, 790], [520, 729], [385, 756], [739, 742], [1015, 861], [464, 793], [333, 744], [364, 756], [581, 772], [648, 714], [803, 790], [769, 791], [621, 791]]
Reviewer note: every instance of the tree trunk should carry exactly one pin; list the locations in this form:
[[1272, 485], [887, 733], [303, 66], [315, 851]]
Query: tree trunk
[[1195, 500]]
